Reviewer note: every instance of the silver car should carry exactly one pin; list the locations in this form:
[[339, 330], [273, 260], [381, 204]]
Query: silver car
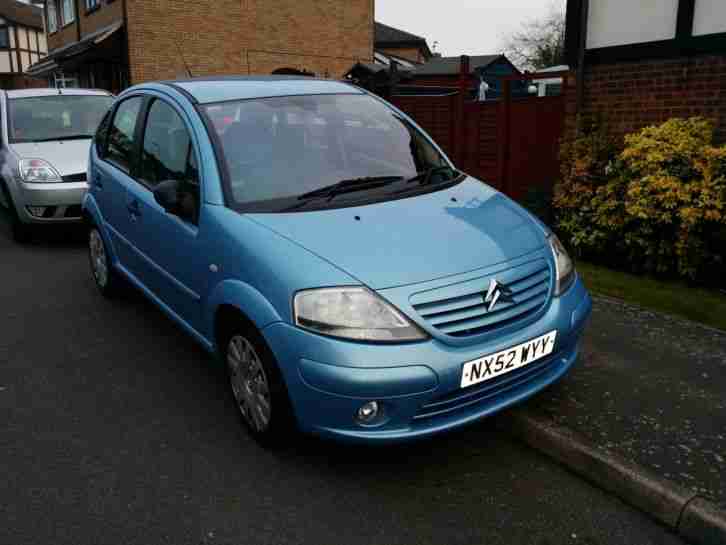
[[46, 135]]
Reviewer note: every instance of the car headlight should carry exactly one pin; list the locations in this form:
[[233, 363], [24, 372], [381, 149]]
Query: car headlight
[[353, 313], [564, 267], [38, 171]]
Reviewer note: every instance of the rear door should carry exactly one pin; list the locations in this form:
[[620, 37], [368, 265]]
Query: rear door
[[171, 256], [111, 175]]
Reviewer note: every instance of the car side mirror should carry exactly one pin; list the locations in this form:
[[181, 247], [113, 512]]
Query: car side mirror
[[167, 194]]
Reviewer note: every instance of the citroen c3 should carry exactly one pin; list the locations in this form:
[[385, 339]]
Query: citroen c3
[[312, 237], [46, 134]]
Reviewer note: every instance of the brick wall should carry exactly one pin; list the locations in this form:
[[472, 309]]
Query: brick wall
[[64, 36], [163, 34], [109, 13], [632, 95], [325, 37]]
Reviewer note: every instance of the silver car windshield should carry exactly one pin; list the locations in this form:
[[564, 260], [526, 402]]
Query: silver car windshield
[[56, 117], [278, 149]]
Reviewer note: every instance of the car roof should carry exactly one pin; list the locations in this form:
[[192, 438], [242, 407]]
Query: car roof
[[30, 93], [221, 89]]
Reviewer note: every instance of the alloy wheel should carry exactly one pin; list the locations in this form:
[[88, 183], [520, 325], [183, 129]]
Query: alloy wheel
[[99, 263], [249, 382]]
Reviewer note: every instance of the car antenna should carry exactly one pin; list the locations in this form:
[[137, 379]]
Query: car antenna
[[186, 66]]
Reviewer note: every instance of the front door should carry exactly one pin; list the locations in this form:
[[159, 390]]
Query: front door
[[169, 254]]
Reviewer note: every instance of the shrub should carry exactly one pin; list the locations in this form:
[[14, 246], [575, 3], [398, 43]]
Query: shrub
[[538, 200], [655, 203]]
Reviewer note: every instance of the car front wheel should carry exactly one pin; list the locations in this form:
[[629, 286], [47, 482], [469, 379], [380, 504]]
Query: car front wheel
[[257, 387], [20, 231]]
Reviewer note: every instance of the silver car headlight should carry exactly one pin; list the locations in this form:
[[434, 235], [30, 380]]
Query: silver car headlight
[[37, 171], [565, 268], [354, 313]]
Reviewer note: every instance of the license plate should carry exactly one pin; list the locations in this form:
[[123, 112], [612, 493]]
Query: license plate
[[501, 363]]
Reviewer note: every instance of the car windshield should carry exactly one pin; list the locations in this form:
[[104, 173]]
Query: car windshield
[[280, 150], [56, 117]]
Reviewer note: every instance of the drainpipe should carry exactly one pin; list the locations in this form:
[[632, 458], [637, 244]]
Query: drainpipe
[[581, 58], [78, 19]]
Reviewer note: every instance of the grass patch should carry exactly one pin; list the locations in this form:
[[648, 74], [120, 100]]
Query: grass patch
[[700, 305]]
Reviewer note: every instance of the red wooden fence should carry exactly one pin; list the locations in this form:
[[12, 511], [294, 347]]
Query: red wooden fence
[[512, 143]]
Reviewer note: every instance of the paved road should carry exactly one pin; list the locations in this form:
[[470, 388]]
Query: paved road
[[114, 429]]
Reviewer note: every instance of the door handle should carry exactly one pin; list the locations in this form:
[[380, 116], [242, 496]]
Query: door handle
[[134, 210], [98, 180]]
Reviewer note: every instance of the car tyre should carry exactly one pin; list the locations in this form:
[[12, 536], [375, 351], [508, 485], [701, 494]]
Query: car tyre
[[257, 386], [104, 276], [20, 231]]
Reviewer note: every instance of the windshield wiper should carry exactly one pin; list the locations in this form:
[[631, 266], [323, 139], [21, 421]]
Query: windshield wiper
[[58, 138], [424, 178], [349, 186]]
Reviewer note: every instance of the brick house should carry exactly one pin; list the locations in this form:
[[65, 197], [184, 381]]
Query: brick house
[[641, 63], [112, 44], [22, 43], [399, 44]]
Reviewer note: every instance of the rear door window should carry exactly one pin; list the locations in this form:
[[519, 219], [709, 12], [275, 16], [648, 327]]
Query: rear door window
[[121, 139]]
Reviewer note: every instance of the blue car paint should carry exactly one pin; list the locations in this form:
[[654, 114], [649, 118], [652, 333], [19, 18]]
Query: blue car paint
[[257, 262]]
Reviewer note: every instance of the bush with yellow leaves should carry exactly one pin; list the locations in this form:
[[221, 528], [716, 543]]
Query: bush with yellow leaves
[[656, 202]]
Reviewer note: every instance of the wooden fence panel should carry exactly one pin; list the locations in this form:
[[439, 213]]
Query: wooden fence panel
[[511, 144], [536, 128], [435, 114]]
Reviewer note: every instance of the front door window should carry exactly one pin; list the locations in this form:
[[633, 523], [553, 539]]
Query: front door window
[[168, 155]]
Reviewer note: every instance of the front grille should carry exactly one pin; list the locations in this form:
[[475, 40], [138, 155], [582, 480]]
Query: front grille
[[459, 310], [75, 177], [487, 392]]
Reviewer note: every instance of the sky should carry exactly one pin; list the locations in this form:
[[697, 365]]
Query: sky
[[472, 27]]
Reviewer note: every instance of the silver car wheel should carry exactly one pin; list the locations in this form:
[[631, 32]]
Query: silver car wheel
[[99, 263], [249, 383]]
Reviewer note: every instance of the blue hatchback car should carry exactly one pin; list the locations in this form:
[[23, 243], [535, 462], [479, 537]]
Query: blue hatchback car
[[355, 284]]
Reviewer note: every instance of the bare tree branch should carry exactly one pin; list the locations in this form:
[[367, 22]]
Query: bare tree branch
[[538, 43]]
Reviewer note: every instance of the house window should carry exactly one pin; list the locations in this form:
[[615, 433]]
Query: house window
[[92, 4], [62, 81], [68, 13], [622, 22], [52, 16], [4, 37], [709, 18]]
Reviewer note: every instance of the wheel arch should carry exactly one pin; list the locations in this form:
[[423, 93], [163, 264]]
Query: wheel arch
[[236, 300], [92, 216]]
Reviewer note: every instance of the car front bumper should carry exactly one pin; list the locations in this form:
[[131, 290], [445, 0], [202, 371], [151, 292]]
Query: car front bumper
[[418, 384], [61, 202]]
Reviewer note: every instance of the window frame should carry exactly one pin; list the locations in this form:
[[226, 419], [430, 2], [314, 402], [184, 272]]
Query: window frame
[[150, 100], [66, 22], [5, 30], [52, 29], [92, 5], [135, 149], [101, 137], [140, 135]]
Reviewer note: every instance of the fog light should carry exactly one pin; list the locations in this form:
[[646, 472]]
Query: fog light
[[36, 211], [368, 412]]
